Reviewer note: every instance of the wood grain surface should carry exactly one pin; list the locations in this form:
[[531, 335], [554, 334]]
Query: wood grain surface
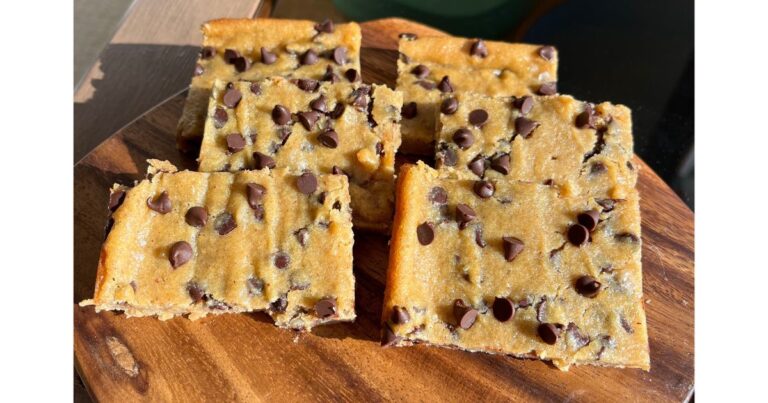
[[245, 358]]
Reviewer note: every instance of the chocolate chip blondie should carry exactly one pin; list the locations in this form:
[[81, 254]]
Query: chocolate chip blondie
[[208, 243], [510, 267], [574, 146], [252, 49], [343, 128], [431, 66]]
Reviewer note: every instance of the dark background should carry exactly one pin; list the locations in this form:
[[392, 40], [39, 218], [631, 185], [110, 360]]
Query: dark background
[[637, 53]]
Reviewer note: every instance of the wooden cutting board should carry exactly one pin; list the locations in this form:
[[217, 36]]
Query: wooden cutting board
[[244, 357]]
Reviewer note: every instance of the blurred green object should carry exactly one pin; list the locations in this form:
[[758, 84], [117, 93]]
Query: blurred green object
[[470, 18]]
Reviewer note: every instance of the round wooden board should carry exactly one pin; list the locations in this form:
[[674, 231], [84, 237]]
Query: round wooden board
[[244, 357]]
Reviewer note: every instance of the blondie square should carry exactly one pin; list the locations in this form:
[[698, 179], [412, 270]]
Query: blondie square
[[431, 66], [303, 125], [252, 49], [208, 243], [510, 267]]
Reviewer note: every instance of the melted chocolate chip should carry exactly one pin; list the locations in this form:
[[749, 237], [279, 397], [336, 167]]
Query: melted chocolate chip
[[255, 194], [306, 183], [478, 117], [241, 64], [464, 314], [180, 253], [409, 110], [484, 189], [267, 57], [195, 292], [279, 305], [503, 309], [420, 71], [337, 111], [199, 70], [207, 52], [230, 55], [306, 84], [352, 75], [627, 237], [427, 85], [478, 48], [255, 286], [463, 138], [116, 199], [547, 52], [326, 307], [263, 161], [425, 232], [196, 216], [235, 142], [578, 234], [479, 237], [232, 97], [161, 203], [282, 260], [438, 195], [224, 223], [281, 115], [512, 247], [548, 88], [220, 118], [449, 106], [447, 156], [388, 337]]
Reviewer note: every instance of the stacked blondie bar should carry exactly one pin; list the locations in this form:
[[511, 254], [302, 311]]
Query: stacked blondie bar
[[524, 240]]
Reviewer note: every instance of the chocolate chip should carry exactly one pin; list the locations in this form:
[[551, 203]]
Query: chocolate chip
[[409, 110], [255, 286], [379, 148], [445, 85], [340, 55], [425, 232], [478, 48], [503, 309], [220, 118], [427, 85], [589, 219], [578, 338], [548, 333], [547, 52], [319, 104], [337, 205], [626, 325], [282, 260], [607, 204], [352, 75], [360, 99], [161, 203], [116, 199], [329, 138], [408, 36], [308, 119], [478, 117], [258, 212], [224, 223], [306, 183], [388, 337], [400, 315], [438, 195], [255, 193], [587, 286], [449, 106], [463, 138], [512, 247], [420, 71], [281, 115], [263, 161], [326, 307], [207, 52], [181, 252], [241, 64], [232, 97], [199, 70], [525, 126], [524, 104], [195, 292], [484, 189], [465, 315], [307, 84], [338, 171], [196, 216], [302, 235], [578, 234], [548, 88], [500, 163], [235, 142], [279, 305], [464, 213], [477, 165], [446, 156], [479, 237], [308, 58], [267, 57], [330, 75], [230, 55], [325, 26], [337, 111], [597, 168]]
